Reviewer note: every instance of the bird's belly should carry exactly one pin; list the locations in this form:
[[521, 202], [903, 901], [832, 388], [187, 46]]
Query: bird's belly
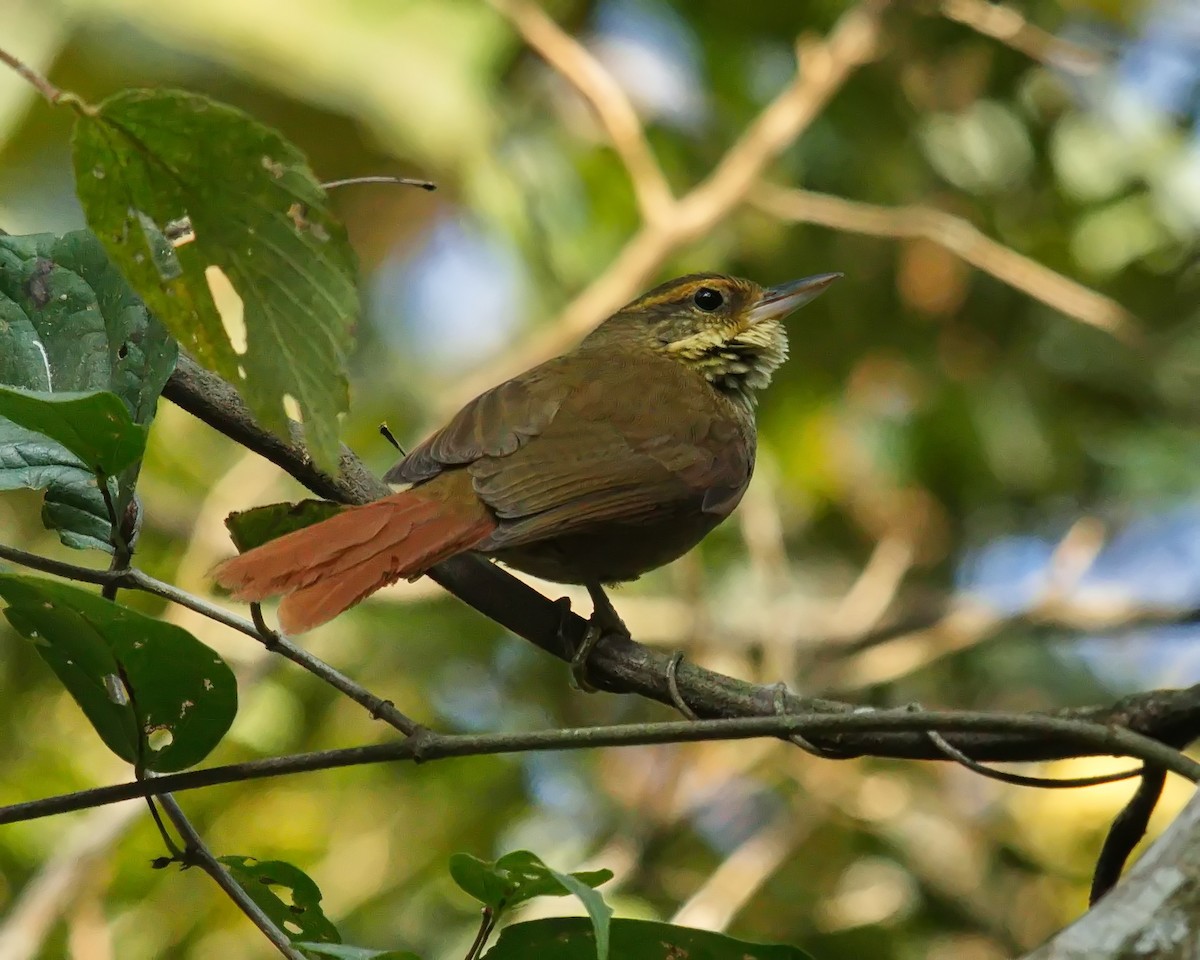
[[611, 553]]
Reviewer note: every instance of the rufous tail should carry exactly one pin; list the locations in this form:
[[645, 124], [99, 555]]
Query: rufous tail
[[330, 566]]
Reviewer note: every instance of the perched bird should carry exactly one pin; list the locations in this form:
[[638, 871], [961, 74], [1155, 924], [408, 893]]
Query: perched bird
[[592, 468]]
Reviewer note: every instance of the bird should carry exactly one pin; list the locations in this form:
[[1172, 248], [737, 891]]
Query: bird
[[591, 468]]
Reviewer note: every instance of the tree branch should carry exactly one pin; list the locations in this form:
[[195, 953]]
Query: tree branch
[[1091, 736], [824, 67], [959, 237], [571, 60], [625, 666], [199, 855]]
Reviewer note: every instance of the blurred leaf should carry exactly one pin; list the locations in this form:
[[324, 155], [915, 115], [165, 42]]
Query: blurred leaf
[[181, 189], [343, 951], [157, 696], [599, 912], [573, 938], [300, 916], [515, 878], [251, 528], [96, 427], [70, 324]]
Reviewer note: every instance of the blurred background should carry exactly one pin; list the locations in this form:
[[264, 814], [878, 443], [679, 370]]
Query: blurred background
[[978, 472]]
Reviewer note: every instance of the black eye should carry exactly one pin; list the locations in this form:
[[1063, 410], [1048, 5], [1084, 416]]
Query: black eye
[[706, 298]]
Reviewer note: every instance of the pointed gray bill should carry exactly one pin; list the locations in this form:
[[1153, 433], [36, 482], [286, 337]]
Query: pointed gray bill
[[778, 302]]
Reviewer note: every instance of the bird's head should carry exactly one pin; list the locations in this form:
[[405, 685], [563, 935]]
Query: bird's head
[[727, 329]]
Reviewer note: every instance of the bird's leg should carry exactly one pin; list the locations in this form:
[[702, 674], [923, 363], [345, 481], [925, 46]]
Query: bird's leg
[[603, 621]]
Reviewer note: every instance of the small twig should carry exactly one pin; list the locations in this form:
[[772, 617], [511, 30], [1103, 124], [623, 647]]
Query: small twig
[[135, 579], [1126, 831], [382, 178], [600, 89], [1009, 26], [1021, 780], [825, 67], [197, 854], [487, 923], [122, 549], [386, 432], [959, 237], [431, 746], [31, 76]]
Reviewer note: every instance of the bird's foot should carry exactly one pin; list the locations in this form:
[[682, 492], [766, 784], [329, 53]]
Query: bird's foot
[[603, 622]]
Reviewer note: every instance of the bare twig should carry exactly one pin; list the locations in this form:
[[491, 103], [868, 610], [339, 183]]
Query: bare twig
[[1009, 26], [199, 855], [31, 76], [1088, 737], [960, 238], [824, 67], [600, 89], [626, 666], [134, 579]]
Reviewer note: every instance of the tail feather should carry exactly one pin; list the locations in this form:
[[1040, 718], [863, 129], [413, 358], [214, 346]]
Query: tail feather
[[327, 568]]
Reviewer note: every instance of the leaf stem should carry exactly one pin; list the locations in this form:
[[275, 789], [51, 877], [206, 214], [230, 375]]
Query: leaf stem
[[43, 86]]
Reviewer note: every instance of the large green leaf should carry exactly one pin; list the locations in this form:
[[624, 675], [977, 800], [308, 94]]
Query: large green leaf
[[573, 938], [157, 696], [299, 915], [177, 186], [68, 324], [95, 427]]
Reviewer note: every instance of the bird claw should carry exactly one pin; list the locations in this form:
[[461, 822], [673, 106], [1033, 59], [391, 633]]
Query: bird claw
[[603, 622]]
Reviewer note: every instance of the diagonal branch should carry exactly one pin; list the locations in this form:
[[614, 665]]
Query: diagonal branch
[[621, 665], [824, 68], [960, 238], [599, 88]]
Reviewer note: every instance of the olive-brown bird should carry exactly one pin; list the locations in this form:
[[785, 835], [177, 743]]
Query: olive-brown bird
[[591, 468]]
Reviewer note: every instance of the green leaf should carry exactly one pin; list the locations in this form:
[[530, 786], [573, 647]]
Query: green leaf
[[96, 427], [515, 878], [157, 696], [299, 915], [70, 324], [574, 938], [251, 528], [178, 187], [343, 951], [599, 912]]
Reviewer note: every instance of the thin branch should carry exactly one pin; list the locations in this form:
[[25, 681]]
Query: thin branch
[[1126, 832], [960, 238], [622, 665], [825, 66], [1089, 737], [134, 579], [32, 77], [199, 855], [1009, 26], [599, 88]]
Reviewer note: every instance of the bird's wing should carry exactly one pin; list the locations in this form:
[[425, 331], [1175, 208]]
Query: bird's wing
[[495, 424], [551, 454]]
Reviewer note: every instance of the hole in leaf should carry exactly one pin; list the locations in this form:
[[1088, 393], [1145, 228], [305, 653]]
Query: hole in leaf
[[229, 306], [292, 927], [159, 739], [291, 406], [179, 232], [123, 351]]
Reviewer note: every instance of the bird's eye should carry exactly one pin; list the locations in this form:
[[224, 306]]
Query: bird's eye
[[708, 299]]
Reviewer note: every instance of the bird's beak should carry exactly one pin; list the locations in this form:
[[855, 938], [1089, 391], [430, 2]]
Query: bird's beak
[[777, 302]]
